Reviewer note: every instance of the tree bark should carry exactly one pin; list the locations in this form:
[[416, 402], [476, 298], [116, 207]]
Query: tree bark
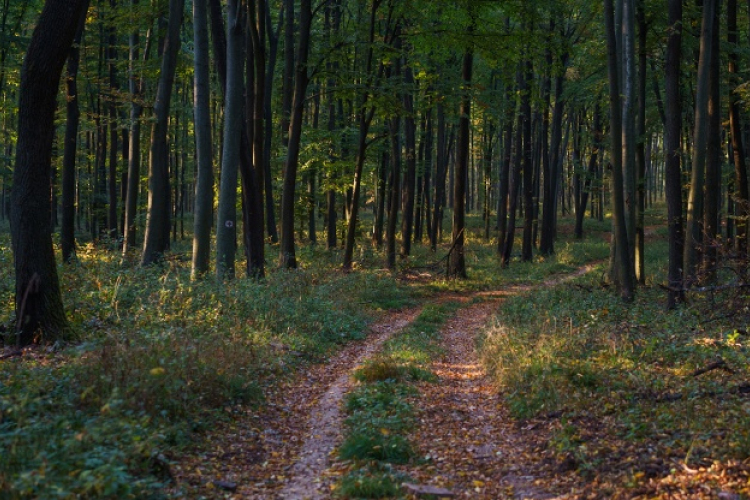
[[67, 229], [156, 238], [287, 256], [742, 210], [623, 264], [204, 187], [38, 303], [695, 206], [457, 262]]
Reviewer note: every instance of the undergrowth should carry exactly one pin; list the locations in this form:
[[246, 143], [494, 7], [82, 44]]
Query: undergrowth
[[156, 357], [627, 377]]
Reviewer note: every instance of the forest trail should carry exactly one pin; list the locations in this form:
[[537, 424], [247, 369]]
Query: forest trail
[[286, 451]]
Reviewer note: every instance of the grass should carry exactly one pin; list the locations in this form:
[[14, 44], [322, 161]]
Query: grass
[[575, 350], [380, 416], [156, 357]]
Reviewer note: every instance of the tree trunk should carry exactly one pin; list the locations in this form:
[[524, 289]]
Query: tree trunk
[[204, 187], [226, 222], [38, 302], [67, 230], [410, 176], [287, 256], [712, 196], [528, 172], [457, 262], [742, 210], [694, 231], [156, 238], [623, 264]]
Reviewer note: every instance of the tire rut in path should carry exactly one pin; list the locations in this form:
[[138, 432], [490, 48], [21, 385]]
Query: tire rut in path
[[324, 426]]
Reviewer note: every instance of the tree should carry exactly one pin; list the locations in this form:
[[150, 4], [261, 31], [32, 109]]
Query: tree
[[226, 224], [457, 265], [204, 191], [38, 302], [67, 229], [301, 80], [623, 265], [693, 229], [156, 239]]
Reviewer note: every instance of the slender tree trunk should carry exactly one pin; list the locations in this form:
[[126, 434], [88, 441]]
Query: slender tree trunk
[[204, 187], [712, 196], [623, 263], [156, 238], [457, 263], [695, 207], [287, 256], [268, 116], [365, 119], [394, 197], [67, 230], [38, 302], [740, 198], [580, 213], [226, 222], [640, 153], [113, 139], [410, 176], [528, 168]]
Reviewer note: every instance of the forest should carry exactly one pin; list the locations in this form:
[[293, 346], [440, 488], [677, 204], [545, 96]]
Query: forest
[[374, 249]]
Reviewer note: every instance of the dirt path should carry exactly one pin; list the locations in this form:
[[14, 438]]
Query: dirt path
[[283, 451], [471, 446]]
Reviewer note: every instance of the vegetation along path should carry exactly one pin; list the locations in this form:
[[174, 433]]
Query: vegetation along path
[[472, 448]]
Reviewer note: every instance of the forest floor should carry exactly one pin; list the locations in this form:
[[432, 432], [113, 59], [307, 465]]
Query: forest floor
[[473, 448]]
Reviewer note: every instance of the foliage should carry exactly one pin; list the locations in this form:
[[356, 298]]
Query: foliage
[[575, 351], [156, 354]]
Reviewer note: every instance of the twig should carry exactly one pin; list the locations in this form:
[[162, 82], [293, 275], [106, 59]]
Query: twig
[[12, 354], [716, 365]]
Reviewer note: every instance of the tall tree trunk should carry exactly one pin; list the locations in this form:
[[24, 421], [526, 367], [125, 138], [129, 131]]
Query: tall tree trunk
[[628, 85], [394, 197], [156, 238], [38, 302], [640, 153], [694, 231], [226, 223], [67, 230], [712, 196], [287, 256], [742, 210], [528, 168], [137, 87], [623, 264], [672, 174], [410, 176], [287, 79], [204, 187], [457, 262], [365, 119], [113, 139], [268, 116]]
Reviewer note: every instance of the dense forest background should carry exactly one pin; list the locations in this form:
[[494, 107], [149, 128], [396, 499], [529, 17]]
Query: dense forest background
[[205, 197], [353, 121]]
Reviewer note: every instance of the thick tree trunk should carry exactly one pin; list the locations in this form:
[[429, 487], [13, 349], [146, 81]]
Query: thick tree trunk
[[156, 238], [204, 187], [38, 302]]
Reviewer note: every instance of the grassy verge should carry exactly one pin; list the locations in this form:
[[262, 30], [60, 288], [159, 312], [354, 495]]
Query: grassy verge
[[619, 388], [380, 416], [157, 357]]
